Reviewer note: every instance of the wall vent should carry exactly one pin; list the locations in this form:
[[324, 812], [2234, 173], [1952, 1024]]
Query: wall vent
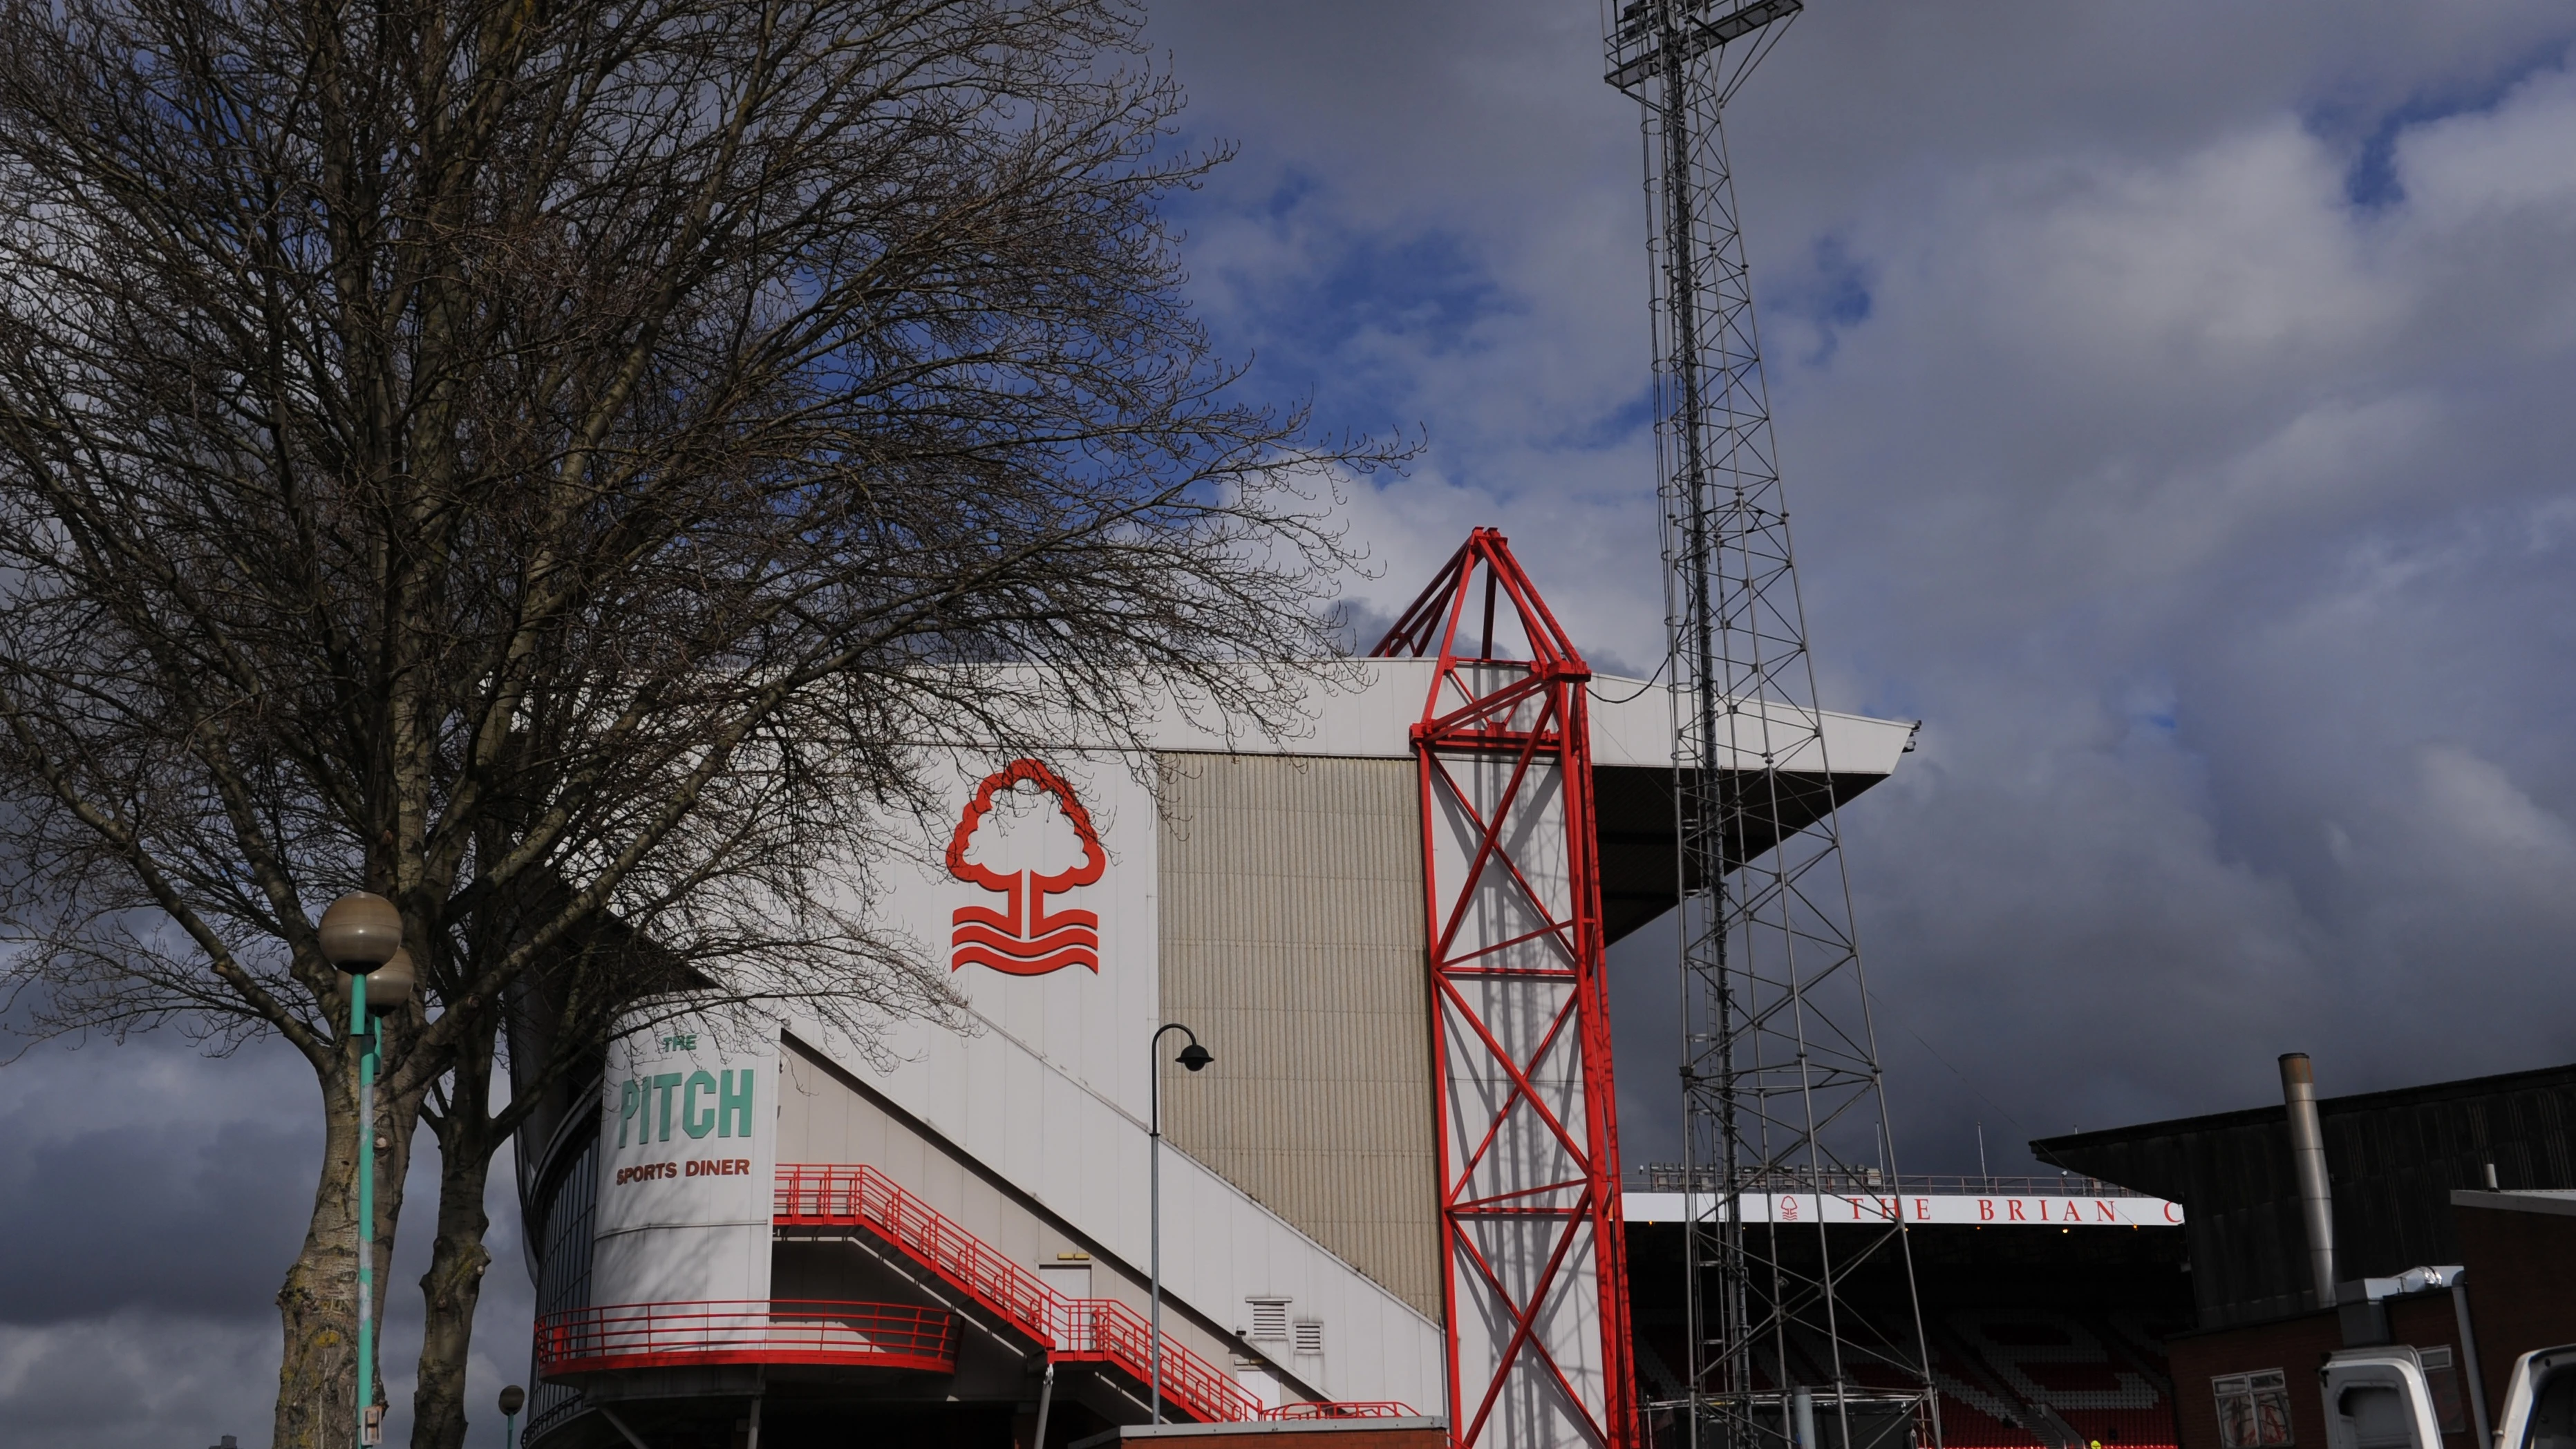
[[1310, 1335], [1269, 1317]]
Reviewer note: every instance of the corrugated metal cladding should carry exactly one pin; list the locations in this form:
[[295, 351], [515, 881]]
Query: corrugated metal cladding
[[1291, 915], [2392, 1158]]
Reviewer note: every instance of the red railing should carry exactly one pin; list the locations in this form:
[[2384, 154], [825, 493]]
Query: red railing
[[1355, 1409], [779, 1331], [1070, 1329]]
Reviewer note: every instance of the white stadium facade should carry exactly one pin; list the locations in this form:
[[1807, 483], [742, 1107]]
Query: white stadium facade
[[1394, 1196]]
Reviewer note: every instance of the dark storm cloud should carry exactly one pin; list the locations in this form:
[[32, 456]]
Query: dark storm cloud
[[2172, 404], [151, 1200], [182, 1219]]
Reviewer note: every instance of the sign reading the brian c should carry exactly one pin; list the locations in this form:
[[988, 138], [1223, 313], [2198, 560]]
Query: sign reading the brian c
[[1024, 938], [1937, 1208]]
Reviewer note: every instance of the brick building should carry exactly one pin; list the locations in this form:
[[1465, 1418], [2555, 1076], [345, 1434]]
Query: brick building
[[2427, 1249]]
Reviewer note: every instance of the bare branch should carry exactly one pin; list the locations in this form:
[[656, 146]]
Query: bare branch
[[553, 464]]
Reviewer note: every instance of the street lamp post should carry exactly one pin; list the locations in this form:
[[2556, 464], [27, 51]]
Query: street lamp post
[[362, 935], [1194, 1057], [511, 1398]]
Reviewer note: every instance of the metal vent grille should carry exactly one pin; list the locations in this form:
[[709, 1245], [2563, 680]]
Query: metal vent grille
[[1310, 1336], [1269, 1317]]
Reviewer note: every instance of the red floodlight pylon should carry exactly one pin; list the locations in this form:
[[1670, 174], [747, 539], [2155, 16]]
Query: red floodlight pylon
[[1533, 1273]]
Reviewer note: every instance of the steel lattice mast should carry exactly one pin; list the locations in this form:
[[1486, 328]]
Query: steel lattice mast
[[1780, 1078]]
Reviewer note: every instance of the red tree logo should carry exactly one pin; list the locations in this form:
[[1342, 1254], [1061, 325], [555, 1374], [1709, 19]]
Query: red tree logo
[[1022, 938]]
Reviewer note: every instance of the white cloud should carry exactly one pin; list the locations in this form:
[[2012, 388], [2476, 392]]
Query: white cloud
[[2486, 165], [2480, 829], [2197, 508], [2222, 261]]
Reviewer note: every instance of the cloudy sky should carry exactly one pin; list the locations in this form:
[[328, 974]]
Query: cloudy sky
[[2175, 406]]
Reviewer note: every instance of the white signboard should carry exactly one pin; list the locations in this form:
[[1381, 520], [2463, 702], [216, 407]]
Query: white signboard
[[1999, 1211], [688, 1155]]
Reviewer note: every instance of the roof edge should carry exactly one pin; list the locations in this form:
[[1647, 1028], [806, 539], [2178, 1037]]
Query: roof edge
[[2042, 1147]]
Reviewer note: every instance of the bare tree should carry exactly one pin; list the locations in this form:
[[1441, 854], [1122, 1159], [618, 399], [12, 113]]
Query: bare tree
[[550, 462]]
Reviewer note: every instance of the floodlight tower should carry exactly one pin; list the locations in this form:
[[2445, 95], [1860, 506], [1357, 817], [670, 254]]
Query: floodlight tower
[[1782, 1096]]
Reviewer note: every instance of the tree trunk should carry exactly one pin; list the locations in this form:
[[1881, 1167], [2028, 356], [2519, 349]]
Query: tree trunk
[[316, 1405], [454, 1283], [449, 1291]]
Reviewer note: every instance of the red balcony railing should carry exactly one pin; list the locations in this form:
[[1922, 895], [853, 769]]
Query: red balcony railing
[[779, 1331], [1071, 1329], [1352, 1409]]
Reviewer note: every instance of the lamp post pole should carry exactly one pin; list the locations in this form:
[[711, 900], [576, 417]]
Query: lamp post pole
[[361, 934], [1194, 1057], [363, 1031]]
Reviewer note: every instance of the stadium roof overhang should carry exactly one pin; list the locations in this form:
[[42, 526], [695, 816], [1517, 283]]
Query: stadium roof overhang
[[1366, 708], [1640, 863], [1634, 783]]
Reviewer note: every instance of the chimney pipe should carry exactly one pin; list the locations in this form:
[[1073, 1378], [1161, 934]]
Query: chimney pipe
[[2308, 1156]]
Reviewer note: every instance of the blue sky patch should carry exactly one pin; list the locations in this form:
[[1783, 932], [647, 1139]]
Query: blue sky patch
[[2370, 182], [1831, 293]]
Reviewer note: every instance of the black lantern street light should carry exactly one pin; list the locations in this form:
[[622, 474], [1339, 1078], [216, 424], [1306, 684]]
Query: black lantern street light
[[1196, 1058], [362, 936]]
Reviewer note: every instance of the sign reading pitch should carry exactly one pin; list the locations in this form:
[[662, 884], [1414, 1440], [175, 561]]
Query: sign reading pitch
[[688, 1138]]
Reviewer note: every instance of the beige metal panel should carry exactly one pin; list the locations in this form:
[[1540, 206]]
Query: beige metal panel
[[1292, 942]]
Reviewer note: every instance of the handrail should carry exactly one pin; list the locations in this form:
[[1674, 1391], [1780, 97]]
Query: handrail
[[1103, 1329], [753, 1331], [1355, 1409], [1072, 1329], [1672, 1177]]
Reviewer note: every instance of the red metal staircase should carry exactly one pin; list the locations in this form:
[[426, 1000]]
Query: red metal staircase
[[1070, 1330]]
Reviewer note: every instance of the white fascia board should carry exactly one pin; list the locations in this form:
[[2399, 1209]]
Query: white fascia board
[[1367, 708], [1350, 709], [1347, 708], [1632, 725]]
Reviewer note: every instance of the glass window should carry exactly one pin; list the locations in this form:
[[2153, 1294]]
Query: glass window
[[564, 1216], [2381, 1417], [2253, 1410], [2449, 1410]]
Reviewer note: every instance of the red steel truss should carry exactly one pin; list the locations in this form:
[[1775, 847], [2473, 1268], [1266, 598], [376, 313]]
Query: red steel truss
[[1534, 1286]]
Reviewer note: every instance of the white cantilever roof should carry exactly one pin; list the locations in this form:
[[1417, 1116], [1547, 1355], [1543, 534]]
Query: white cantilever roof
[[1365, 708], [1632, 724]]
